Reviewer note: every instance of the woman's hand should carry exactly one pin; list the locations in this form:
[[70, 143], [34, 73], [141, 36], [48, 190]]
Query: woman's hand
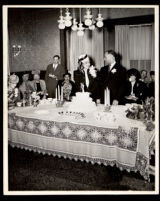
[[93, 71]]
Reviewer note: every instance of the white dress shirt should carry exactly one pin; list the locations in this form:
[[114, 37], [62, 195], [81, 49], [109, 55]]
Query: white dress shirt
[[111, 66], [55, 66], [86, 77]]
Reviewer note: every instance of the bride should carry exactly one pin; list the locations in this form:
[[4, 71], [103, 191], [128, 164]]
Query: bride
[[85, 77]]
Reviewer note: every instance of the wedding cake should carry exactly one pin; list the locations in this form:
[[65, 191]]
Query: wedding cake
[[82, 102]]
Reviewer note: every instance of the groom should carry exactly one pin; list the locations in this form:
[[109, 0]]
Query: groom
[[113, 76]]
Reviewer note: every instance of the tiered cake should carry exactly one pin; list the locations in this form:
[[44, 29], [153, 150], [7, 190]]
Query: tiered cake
[[82, 103]]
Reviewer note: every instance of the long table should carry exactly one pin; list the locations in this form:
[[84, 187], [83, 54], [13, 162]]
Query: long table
[[107, 138]]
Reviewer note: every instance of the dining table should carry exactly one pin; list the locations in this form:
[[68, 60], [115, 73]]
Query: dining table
[[97, 137]]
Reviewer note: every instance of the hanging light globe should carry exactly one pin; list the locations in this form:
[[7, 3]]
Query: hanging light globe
[[88, 22], [99, 23], [74, 26], [61, 26], [80, 33], [88, 18], [68, 23], [67, 19], [92, 27], [99, 20]]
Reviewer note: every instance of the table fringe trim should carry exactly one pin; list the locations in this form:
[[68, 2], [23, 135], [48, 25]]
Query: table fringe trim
[[80, 158]]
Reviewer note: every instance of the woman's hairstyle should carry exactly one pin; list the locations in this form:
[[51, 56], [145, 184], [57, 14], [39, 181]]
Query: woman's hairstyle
[[80, 59], [134, 72], [67, 74], [152, 73]]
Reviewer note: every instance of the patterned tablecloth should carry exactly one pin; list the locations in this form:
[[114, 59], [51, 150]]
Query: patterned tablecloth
[[107, 138]]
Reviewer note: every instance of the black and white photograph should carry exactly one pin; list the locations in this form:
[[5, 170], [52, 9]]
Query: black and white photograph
[[81, 99]]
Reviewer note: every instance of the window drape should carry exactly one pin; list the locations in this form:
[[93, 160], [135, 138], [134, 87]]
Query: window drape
[[90, 43], [136, 45], [122, 43], [141, 44]]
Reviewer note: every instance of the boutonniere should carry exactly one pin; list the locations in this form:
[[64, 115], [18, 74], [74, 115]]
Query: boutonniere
[[113, 71]]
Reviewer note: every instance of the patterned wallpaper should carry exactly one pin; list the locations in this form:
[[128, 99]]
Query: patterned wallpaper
[[38, 35]]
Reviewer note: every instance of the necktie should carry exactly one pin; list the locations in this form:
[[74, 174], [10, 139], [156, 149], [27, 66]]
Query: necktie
[[86, 78]]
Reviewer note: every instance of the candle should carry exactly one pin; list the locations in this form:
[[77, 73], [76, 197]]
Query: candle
[[56, 93], [108, 97], [83, 88], [61, 93], [105, 97]]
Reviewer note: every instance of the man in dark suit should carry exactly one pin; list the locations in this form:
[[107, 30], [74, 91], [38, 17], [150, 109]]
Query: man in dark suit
[[113, 76], [54, 73], [151, 86]]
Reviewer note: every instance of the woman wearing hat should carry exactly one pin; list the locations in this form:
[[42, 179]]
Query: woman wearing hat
[[85, 77], [136, 90], [37, 85], [13, 92]]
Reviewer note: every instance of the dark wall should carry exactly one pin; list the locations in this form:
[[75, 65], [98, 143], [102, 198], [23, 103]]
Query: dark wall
[[37, 32]]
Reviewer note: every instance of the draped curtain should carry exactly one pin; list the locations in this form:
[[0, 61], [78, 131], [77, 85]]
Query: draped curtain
[[141, 46], [91, 43], [136, 45], [122, 43]]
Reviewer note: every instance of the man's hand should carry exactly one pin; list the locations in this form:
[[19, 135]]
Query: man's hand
[[52, 76], [115, 102]]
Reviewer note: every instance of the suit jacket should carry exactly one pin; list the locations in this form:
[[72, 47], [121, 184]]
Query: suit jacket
[[139, 89], [93, 88], [115, 80], [33, 87], [51, 83], [151, 88]]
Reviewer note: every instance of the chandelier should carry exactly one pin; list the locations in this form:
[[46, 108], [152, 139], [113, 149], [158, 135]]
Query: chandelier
[[89, 21]]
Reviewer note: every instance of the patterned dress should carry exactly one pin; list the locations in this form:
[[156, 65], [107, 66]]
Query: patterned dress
[[67, 88]]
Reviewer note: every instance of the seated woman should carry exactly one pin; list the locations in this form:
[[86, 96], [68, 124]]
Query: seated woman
[[13, 92], [69, 88], [85, 77], [144, 76], [136, 90], [24, 87], [37, 85]]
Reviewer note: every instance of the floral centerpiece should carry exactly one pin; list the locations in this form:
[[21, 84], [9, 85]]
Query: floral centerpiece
[[13, 92], [35, 98], [144, 112], [12, 97]]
